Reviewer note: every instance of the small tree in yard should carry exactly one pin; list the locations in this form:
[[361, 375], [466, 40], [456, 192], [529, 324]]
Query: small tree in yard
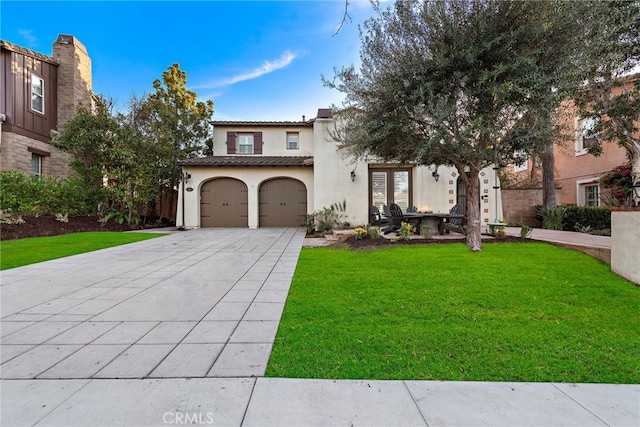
[[450, 82], [106, 148]]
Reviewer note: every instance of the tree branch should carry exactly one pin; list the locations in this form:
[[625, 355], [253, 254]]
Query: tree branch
[[345, 16]]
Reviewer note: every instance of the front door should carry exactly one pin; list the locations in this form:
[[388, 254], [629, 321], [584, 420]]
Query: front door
[[387, 186]]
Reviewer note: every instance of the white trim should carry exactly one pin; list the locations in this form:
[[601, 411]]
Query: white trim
[[31, 93], [580, 185]]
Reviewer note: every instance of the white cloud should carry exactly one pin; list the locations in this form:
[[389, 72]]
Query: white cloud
[[29, 39], [267, 67]]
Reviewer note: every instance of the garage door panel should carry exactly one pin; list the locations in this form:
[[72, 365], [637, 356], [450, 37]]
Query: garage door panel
[[224, 203], [282, 203]]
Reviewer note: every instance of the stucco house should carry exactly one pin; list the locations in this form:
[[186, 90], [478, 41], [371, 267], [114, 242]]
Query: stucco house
[[577, 172], [271, 174], [39, 95]]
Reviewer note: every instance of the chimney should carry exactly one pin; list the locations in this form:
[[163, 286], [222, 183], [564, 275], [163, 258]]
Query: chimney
[[74, 77], [303, 118]]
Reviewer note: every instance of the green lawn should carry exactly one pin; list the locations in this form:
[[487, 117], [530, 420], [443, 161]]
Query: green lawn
[[15, 253], [512, 312]]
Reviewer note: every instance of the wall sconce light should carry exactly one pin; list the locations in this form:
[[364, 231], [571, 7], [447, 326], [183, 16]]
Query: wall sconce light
[[636, 190], [353, 175], [435, 175], [186, 177]]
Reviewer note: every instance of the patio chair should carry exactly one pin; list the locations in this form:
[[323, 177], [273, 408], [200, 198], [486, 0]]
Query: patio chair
[[376, 218], [394, 221], [455, 223]]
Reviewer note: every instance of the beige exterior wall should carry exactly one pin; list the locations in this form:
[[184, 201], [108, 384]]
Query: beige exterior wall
[[252, 177], [332, 180], [274, 140], [625, 244]]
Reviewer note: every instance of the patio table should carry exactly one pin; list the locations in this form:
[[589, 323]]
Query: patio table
[[434, 219]]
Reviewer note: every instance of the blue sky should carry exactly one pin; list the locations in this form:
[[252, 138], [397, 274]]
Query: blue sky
[[258, 60]]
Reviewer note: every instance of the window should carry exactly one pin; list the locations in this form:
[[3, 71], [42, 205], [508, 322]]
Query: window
[[523, 163], [591, 195], [292, 141], [387, 186], [245, 143], [585, 135], [37, 94], [36, 163]]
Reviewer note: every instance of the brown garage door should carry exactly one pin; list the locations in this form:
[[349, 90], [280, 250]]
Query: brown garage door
[[224, 203], [282, 203]]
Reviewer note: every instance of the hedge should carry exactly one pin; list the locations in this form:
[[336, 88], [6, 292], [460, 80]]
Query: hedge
[[596, 217]]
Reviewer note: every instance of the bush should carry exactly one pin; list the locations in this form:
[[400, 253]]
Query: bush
[[576, 217], [34, 195], [587, 218], [326, 219], [552, 218], [406, 231], [619, 181]]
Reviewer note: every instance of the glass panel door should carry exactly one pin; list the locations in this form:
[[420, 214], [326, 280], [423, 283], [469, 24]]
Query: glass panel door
[[379, 189], [401, 189], [389, 186]]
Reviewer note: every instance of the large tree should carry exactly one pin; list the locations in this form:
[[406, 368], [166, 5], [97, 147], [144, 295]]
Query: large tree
[[449, 83], [176, 121], [610, 94]]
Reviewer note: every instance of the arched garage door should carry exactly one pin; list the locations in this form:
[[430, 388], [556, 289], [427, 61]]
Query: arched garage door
[[282, 203], [224, 203]]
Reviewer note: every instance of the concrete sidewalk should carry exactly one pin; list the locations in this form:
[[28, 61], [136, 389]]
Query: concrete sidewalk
[[179, 329], [598, 247]]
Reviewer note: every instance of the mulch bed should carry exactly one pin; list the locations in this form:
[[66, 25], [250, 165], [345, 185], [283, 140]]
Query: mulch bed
[[48, 226], [353, 243]]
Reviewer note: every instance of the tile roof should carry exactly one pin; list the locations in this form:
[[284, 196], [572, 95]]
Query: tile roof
[[248, 160], [15, 48], [260, 123]]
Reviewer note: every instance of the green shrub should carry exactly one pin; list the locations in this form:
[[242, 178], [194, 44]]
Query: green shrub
[[577, 217], [587, 218], [406, 231], [552, 217], [33, 195]]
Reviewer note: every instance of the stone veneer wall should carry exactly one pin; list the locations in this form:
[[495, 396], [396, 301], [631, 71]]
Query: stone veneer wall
[[625, 243], [74, 77], [519, 205], [15, 155]]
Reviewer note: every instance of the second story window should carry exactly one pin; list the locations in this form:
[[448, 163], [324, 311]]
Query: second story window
[[37, 94], [245, 143], [292, 141], [585, 135]]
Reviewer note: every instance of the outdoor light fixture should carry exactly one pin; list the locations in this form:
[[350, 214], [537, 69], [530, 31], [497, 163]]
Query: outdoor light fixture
[[186, 177], [353, 175], [636, 189], [435, 175]]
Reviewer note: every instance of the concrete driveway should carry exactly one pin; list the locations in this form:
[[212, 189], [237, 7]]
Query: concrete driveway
[[178, 330], [194, 304]]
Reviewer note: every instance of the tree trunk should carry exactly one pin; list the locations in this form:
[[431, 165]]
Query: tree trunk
[[474, 236], [548, 177]]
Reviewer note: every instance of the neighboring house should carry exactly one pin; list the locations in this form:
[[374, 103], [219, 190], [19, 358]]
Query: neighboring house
[[577, 172], [38, 95], [271, 174]]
